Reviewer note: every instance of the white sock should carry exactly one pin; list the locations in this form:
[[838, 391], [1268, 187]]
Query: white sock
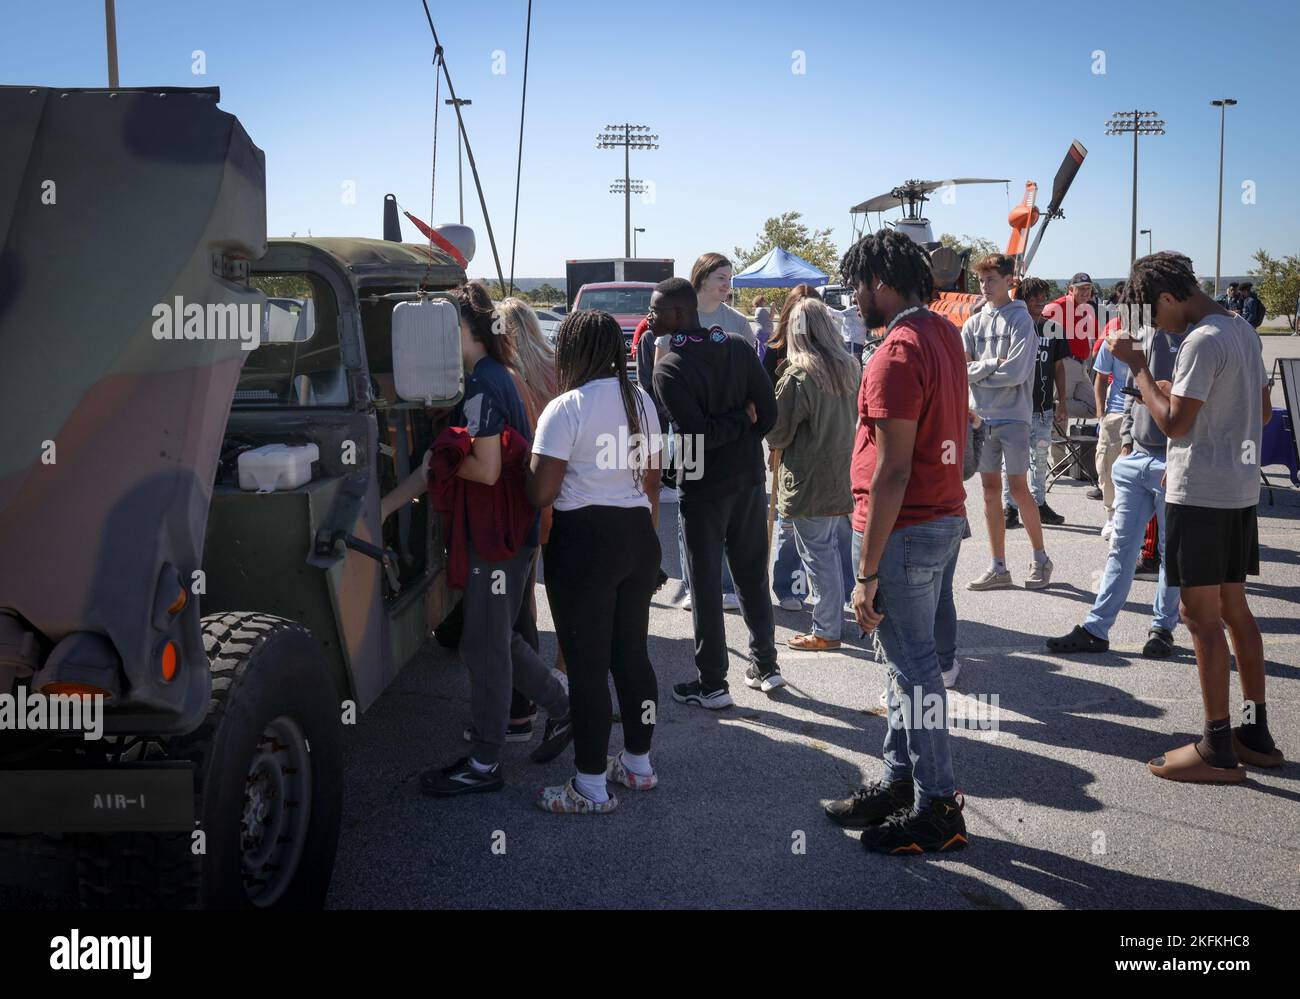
[[481, 767], [1040, 556], [592, 786], [638, 764], [999, 564]]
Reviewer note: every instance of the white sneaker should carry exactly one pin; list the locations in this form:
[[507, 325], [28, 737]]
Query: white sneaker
[[950, 675], [667, 495], [1107, 529], [730, 602], [686, 602], [792, 604]]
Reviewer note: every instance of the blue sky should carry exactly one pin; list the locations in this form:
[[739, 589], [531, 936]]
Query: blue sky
[[337, 91]]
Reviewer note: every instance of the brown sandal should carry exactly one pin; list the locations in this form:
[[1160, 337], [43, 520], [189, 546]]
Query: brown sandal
[[811, 643], [1255, 758], [1186, 764]]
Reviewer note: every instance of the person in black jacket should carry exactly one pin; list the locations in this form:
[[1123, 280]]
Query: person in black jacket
[[717, 394]]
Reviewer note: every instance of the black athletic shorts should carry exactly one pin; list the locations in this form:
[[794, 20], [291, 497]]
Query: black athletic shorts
[[1205, 546]]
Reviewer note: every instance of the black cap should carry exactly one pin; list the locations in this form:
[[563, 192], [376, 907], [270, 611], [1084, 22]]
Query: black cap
[[1081, 278]]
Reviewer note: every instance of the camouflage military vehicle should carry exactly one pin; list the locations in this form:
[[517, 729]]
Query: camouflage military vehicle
[[229, 634]]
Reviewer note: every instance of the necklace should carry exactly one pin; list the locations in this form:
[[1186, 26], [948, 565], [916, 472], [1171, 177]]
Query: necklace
[[901, 316]]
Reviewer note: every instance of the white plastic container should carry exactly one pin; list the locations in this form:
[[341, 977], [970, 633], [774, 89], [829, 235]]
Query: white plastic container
[[277, 466]]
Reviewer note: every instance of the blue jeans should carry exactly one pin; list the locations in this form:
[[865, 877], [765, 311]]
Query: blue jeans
[[1040, 447], [1138, 494], [945, 614], [916, 562], [818, 542], [790, 572], [788, 576]]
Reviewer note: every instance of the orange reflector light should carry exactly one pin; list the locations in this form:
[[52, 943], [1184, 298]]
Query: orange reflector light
[[71, 689], [182, 599], [170, 662]]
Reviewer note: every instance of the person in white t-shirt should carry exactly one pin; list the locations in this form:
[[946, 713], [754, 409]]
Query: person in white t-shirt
[[597, 455]]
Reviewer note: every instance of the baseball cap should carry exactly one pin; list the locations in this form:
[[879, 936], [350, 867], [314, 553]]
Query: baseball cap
[[1081, 278]]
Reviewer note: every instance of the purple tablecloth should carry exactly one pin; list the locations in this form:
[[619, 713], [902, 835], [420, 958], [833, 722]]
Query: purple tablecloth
[[1279, 444]]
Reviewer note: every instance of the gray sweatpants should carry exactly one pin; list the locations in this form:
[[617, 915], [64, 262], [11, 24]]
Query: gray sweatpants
[[497, 656]]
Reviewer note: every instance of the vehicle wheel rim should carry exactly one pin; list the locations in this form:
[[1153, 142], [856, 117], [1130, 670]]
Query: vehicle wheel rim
[[277, 811]]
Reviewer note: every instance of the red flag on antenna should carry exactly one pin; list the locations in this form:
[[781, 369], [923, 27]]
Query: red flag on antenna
[[438, 240]]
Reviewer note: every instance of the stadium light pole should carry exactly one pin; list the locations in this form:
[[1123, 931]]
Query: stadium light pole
[[1147, 234], [634, 232], [629, 137], [1139, 123], [110, 35], [459, 102], [1222, 103]]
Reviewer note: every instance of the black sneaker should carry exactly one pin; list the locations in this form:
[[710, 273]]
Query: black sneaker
[[692, 693], [515, 731], [1148, 569], [871, 804], [937, 828], [766, 682], [1049, 516], [1095, 493], [461, 778], [1079, 640], [1160, 645], [558, 734], [1012, 516]]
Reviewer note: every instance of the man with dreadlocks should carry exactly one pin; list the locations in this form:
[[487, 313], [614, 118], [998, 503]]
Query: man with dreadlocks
[[715, 389], [908, 521], [1214, 415]]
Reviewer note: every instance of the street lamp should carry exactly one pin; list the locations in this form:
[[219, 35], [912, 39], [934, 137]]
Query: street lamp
[[1139, 123], [459, 102], [629, 137], [1222, 104], [1147, 234]]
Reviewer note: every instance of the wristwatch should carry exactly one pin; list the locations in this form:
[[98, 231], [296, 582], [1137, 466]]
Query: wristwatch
[[864, 580]]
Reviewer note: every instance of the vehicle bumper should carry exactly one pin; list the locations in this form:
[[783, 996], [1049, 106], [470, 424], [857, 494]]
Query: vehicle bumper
[[145, 797]]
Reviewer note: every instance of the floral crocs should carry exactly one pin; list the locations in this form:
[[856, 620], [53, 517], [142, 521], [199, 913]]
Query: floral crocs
[[618, 773], [569, 800]]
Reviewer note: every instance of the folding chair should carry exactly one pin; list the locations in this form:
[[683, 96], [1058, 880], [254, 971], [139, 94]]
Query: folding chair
[[1073, 444]]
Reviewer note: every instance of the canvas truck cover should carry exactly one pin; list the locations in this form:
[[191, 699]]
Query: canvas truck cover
[[113, 204]]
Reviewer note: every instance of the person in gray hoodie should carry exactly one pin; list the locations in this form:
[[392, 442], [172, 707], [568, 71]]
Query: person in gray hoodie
[[1002, 349]]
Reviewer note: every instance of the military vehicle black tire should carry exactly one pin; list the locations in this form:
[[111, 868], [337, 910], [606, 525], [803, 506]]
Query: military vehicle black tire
[[264, 669]]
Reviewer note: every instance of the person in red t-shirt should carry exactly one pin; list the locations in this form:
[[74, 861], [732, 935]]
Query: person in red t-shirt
[[908, 519], [1074, 316]]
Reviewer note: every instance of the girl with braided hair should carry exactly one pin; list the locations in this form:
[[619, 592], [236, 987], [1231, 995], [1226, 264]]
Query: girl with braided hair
[[596, 460]]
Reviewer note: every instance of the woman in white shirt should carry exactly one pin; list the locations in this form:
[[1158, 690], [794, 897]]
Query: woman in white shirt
[[596, 461]]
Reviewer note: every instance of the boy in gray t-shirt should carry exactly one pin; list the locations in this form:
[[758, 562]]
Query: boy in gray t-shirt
[[1217, 463], [1213, 414]]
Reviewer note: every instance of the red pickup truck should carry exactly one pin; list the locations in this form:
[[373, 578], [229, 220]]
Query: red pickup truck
[[627, 301]]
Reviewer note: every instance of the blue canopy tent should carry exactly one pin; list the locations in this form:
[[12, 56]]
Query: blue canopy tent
[[779, 269]]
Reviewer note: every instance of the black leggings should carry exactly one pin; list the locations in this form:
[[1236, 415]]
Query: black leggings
[[602, 567]]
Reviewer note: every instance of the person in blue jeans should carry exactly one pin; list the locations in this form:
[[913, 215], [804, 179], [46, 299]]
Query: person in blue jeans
[[790, 577], [1139, 483], [813, 435], [910, 514]]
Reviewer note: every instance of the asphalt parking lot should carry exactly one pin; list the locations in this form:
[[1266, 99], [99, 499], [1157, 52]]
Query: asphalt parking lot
[[1059, 804]]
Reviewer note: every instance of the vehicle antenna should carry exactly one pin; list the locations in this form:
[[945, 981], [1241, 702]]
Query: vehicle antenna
[[519, 166], [469, 153]]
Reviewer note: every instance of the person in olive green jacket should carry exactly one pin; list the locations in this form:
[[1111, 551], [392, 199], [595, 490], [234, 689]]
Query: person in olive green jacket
[[815, 422]]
